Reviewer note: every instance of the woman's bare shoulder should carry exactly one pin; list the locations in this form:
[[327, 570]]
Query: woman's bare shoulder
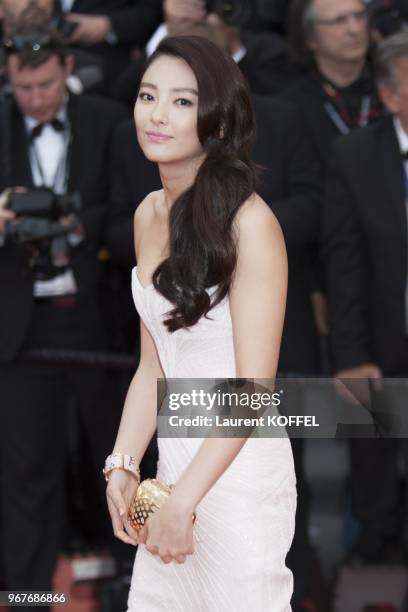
[[255, 219], [261, 251], [144, 213], [143, 218]]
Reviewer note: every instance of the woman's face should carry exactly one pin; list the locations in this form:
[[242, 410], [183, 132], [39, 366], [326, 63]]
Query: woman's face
[[166, 112]]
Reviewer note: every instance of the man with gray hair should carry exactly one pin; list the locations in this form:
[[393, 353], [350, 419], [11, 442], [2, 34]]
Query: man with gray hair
[[338, 94], [365, 247]]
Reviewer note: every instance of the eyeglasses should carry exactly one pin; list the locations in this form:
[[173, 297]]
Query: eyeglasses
[[34, 41], [342, 20]]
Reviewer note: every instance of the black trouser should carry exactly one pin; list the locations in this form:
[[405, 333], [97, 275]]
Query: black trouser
[[375, 485], [33, 399], [299, 556]]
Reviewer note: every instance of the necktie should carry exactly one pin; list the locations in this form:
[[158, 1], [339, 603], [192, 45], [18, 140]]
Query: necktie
[[55, 123]]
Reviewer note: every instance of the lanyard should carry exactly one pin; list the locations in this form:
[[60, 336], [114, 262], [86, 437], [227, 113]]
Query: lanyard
[[338, 119]]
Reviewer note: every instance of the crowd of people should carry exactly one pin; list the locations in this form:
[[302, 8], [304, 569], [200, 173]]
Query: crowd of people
[[329, 83]]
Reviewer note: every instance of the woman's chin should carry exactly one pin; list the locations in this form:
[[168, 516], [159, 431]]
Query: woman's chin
[[152, 153], [158, 158]]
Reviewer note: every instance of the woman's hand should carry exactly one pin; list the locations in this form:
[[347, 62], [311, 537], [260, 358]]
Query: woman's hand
[[121, 489], [90, 30], [169, 532], [321, 312], [5, 214]]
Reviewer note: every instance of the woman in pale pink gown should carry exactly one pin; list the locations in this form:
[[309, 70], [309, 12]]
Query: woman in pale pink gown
[[206, 243]]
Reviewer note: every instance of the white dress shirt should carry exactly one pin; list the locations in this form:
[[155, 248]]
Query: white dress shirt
[[49, 151], [66, 5], [402, 138]]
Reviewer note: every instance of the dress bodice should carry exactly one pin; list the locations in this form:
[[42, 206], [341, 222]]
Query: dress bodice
[[204, 350]]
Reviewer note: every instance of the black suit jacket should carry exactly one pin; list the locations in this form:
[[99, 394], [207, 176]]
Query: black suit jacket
[[289, 184], [93, 121], [268, 64], [365, 247], [307, 95]]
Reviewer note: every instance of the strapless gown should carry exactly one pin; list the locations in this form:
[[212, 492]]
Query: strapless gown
[[245, 523]]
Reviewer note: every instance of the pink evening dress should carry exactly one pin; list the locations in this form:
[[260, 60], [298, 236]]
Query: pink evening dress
[[245, 523]]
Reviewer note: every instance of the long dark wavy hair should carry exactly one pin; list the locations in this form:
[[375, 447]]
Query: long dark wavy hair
[[202, 251]]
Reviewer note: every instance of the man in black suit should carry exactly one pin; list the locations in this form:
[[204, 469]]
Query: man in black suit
[[49, 295], [338, 94], [290, 184], [365, 246]]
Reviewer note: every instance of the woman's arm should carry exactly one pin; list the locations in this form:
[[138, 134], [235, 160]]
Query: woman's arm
[[257, 303], [139, 415]]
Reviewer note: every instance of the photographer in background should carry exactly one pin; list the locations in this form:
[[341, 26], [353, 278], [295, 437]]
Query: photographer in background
[[110, 29], [11, 13], [54, 148], [101, 33], [88, 72]]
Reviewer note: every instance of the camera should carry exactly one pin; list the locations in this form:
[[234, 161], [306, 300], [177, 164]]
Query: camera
[[43, 202], [234, 12], [38, 213]]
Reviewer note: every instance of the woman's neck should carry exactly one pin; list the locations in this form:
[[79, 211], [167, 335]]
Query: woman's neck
[[177, 178]]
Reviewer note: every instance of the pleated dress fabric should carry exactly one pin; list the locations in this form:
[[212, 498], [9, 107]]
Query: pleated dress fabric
[[245, 523]]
